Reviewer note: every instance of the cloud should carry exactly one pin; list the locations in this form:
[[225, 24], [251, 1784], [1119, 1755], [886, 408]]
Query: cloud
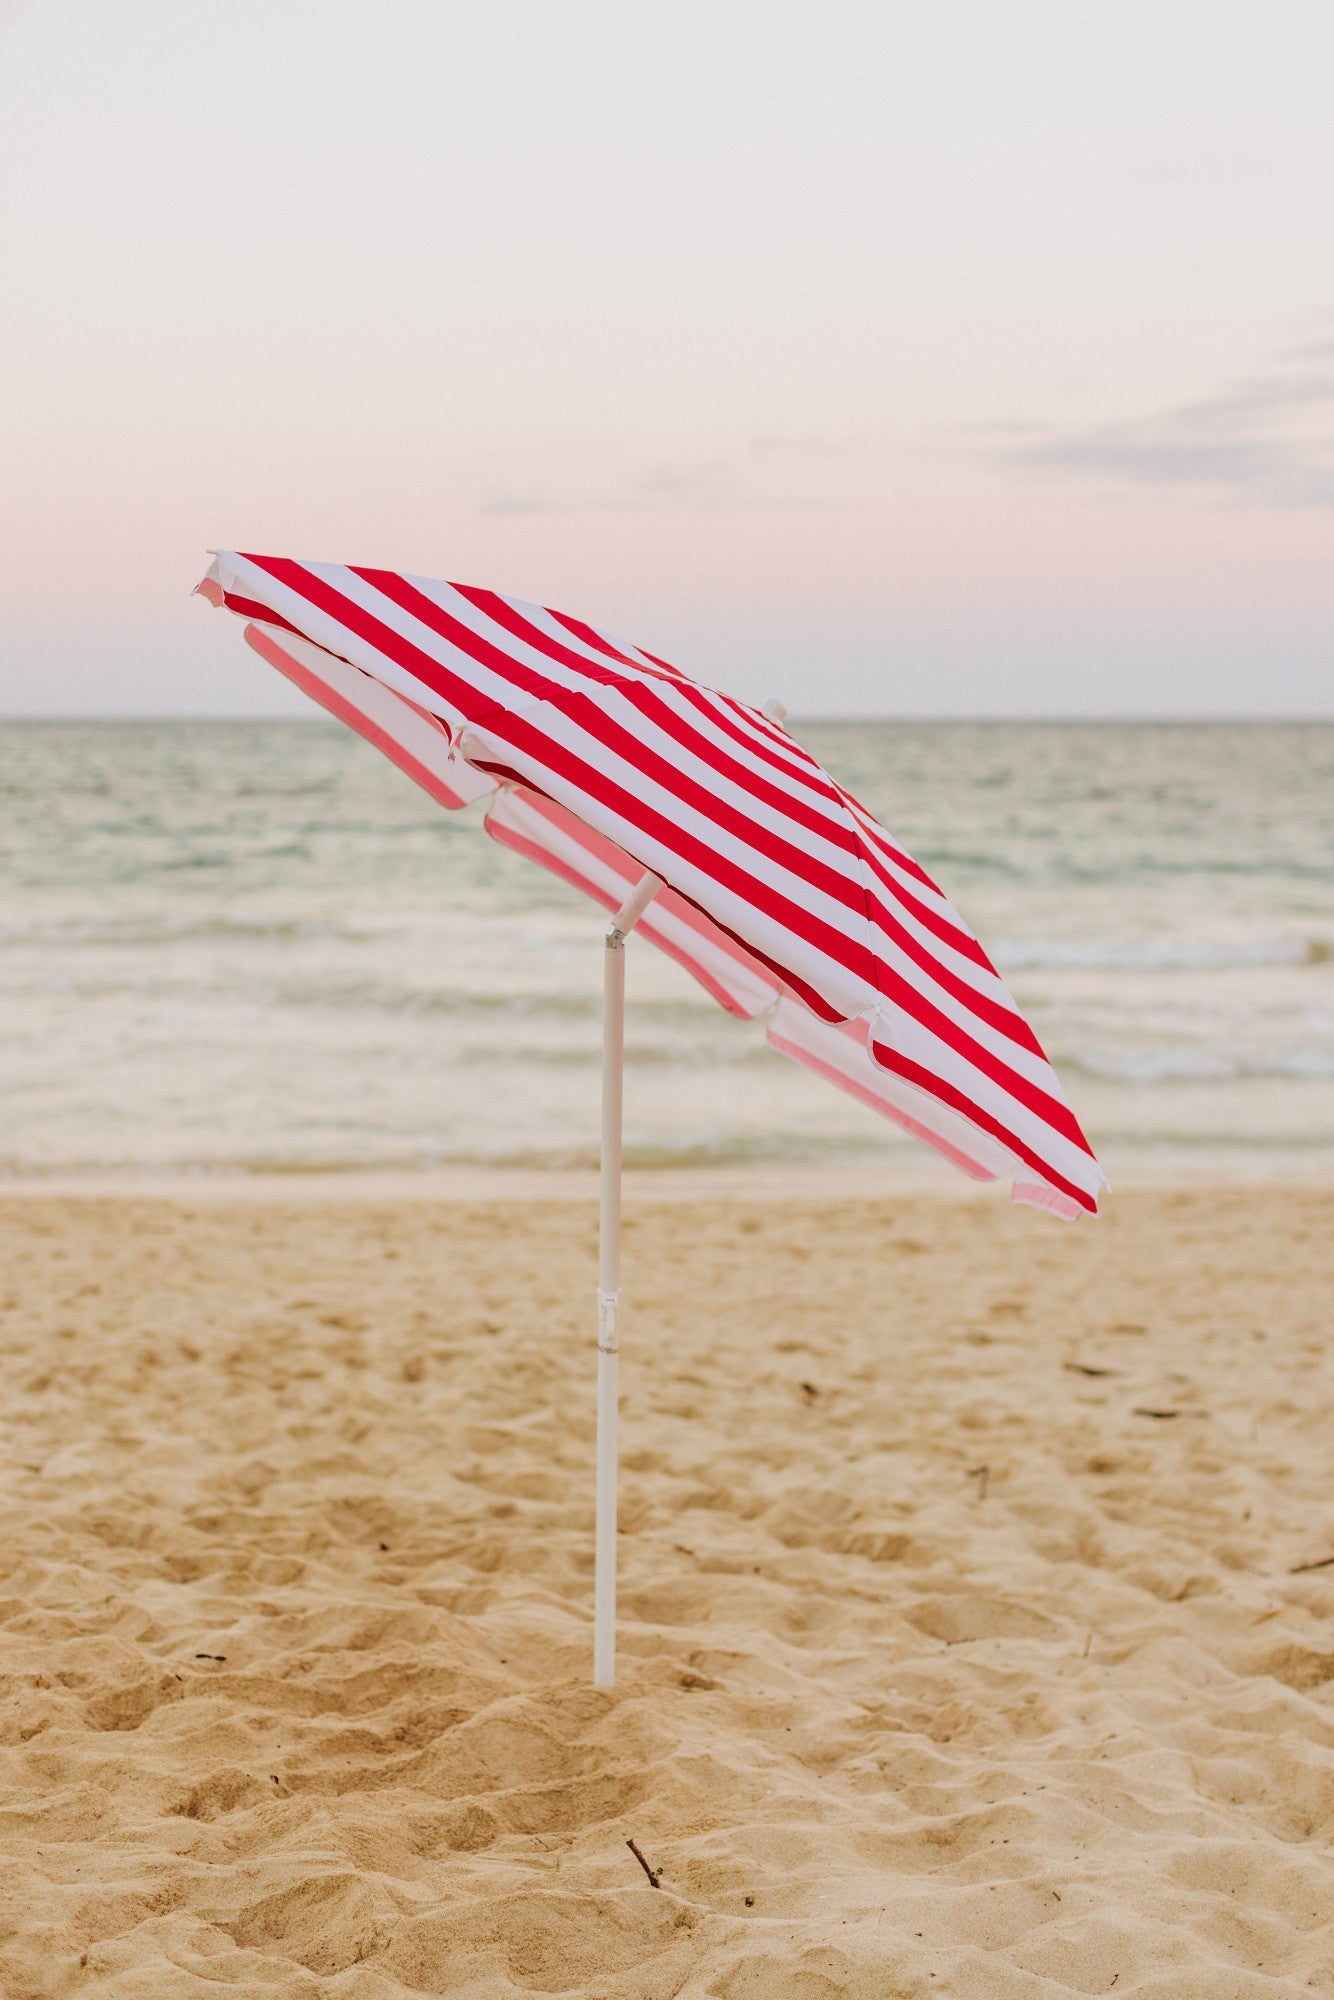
[[1268, 438]]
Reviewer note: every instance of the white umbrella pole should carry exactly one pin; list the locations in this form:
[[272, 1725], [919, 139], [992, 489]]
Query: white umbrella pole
[[609, 1278]]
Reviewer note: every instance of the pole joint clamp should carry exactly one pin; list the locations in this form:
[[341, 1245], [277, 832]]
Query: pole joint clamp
[[609, 1341]]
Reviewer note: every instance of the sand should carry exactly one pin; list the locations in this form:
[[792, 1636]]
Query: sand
[[975, 1640]]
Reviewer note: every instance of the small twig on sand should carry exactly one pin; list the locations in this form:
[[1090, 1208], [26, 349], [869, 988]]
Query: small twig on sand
[[652, 1873], [1300, 1569], [981, 1473]]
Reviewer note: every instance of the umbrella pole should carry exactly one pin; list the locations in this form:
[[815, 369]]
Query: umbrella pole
[[609, 1277]]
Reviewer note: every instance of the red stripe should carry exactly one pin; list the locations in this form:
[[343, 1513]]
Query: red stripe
[[837, 832], [327, 697], [284, 570], [876, 833], [532, 850], [865, 1095], [637, 813], [784, 974], [688, 847], [1005, 1020], [569, 824], [1045, 1107], [686, 913], [425, 666], [577, 627], [774, 735], [1000, 1018], [1033, 1098], [765, 738], [250, 607], [936, 1086], [760, 736], [666, 665], [587, 715], [596, 843], [800, 922], [962, 941]]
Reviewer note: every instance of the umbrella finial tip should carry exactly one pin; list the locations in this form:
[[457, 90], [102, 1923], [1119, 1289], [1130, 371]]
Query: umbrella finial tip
[[776, 710]]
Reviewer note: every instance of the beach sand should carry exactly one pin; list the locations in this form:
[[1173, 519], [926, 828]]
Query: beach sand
[[975, 1639]]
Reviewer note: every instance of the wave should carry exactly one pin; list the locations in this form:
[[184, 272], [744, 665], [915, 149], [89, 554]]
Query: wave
[[1200, 1065], [1010, 954], [691, 1150], [1051, 954], [119, 932], [1305, 1145]]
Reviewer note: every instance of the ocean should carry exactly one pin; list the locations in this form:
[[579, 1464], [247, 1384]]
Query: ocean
[[241, 946]]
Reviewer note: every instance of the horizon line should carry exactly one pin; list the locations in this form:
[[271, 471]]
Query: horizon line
[[1135, 718]]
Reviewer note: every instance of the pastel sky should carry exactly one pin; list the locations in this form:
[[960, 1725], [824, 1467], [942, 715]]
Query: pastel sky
[[891, 358]]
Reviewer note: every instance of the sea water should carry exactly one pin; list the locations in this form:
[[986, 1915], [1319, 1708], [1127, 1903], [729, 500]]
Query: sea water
[[255, 945]]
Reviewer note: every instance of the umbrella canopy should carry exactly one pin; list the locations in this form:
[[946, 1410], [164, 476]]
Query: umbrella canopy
[[781, 894]]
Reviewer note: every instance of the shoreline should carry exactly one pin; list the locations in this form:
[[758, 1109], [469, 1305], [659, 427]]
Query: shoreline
[[640, 1184]]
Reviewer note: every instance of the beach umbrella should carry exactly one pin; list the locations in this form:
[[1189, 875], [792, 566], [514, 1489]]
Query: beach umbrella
[[699, 820]]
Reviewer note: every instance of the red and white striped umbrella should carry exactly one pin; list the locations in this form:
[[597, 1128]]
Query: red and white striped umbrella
[[700, 820], [783, 896]]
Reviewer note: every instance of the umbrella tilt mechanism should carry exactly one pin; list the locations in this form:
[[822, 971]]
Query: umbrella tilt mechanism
[[609, 1277]]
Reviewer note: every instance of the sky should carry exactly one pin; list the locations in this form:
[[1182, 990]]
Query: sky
[[885, 358]]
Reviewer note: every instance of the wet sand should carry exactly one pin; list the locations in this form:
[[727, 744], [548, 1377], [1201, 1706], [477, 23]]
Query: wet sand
[[977, 1594]]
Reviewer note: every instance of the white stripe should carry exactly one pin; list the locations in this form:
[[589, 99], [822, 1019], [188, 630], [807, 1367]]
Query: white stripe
[[843, 988], [799, 1036], [749, 746], [830, 805], [386, 711], [752, 989], [734, 909], [905, 1037], [528, 654]]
